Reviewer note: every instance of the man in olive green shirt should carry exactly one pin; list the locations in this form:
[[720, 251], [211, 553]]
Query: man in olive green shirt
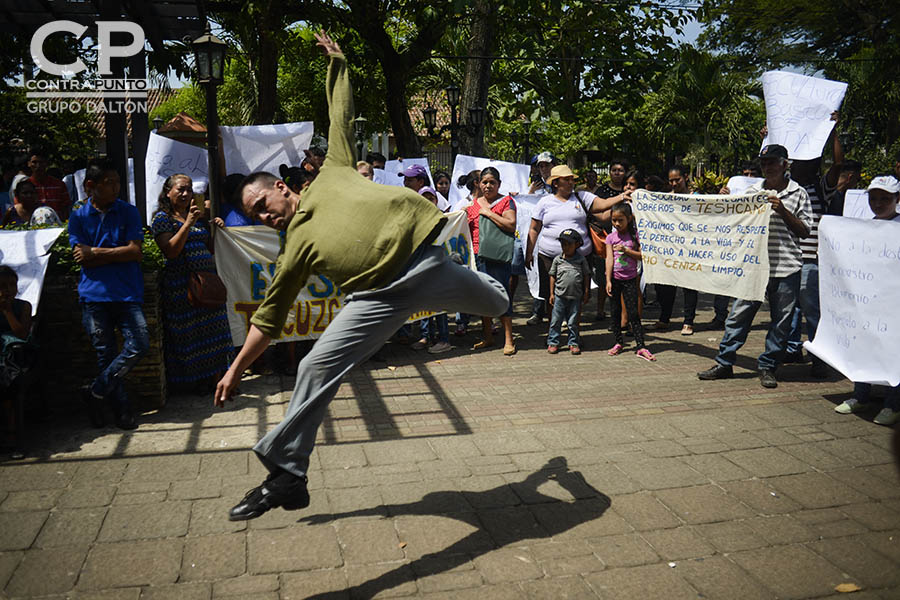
[[374, 241]]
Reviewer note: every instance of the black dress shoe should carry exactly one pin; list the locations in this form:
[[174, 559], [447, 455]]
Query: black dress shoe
[[767, 378], [717, 372], [284, 489], [94, 407]]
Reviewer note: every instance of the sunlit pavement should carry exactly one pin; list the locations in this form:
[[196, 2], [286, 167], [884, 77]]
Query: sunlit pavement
[[470, 474]]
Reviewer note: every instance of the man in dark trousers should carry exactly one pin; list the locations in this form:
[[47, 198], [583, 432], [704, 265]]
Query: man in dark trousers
[[375, 242]]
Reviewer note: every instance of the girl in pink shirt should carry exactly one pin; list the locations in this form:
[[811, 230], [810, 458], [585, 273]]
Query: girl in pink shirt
[[622, 256]]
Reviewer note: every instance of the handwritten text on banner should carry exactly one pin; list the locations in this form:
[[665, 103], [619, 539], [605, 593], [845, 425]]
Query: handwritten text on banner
[[858, 294], [166, 157], [798, 111], [716, 244], [245, 260]]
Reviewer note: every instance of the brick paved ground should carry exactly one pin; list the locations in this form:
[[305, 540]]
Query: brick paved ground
[[472, 475]]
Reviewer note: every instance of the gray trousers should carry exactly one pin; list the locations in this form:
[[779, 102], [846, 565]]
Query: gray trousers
[[430, 282]]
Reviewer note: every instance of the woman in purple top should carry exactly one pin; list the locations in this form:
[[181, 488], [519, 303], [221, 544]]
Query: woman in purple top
[[564, 209]]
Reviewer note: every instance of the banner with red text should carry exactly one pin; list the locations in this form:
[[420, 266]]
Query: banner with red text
[[710, 243], [245, 260]]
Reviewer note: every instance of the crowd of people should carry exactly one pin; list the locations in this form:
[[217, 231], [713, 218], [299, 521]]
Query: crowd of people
[[582, 231]]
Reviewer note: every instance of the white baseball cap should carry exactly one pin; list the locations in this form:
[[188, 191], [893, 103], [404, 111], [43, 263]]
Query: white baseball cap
[[887, 183]]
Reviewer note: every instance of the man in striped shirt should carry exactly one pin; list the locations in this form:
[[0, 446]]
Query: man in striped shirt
[[790, 221]]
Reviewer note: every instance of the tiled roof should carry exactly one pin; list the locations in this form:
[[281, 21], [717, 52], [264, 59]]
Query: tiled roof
[[155, 97]]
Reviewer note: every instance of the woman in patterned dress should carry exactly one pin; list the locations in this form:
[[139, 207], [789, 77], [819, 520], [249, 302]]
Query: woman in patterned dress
[[198, 342]]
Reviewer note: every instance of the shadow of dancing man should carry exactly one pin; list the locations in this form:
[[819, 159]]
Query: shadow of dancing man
[[375, 242], [554, 517]]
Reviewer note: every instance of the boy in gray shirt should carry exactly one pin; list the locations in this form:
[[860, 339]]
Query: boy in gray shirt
[[570, 276]]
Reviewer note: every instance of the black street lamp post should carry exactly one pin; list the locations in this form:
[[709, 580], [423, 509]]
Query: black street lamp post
[[359, 126], [476, 118], [209, 58]]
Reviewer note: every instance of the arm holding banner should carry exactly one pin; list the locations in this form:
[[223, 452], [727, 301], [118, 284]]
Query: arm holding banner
[[601, 205], [255, 344], [797, 226]]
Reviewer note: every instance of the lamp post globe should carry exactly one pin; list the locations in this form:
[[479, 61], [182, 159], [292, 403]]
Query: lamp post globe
[[209, 57]]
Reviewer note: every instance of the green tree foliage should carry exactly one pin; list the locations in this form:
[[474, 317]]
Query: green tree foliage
[[400, 36], [64, 136], [703, 109], [853, 41], [575, 69]]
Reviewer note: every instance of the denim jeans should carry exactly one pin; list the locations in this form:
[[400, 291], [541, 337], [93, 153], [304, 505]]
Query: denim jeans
[[564, 309], [782, 293], [861, 392], [808, 307], [100, 320], [435, 326]]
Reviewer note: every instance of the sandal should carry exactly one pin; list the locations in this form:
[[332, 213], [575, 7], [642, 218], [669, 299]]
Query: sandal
[[509, 350], [645, 354], [687, 329], [483, 344], [615, 350]]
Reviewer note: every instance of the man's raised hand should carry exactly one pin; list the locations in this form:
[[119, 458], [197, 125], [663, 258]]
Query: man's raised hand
[[329, 46]]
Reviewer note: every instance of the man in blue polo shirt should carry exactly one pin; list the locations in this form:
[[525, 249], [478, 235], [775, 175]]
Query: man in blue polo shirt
[[106, 238]]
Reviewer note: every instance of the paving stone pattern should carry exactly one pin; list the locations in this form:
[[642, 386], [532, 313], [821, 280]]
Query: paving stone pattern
[[473, 475]]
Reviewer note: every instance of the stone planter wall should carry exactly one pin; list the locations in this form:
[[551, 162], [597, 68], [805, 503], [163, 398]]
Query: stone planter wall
[[68, 360]]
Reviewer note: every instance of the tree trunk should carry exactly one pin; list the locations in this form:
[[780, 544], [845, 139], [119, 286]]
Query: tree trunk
[[267, 76], [478, 76], [408, 143]]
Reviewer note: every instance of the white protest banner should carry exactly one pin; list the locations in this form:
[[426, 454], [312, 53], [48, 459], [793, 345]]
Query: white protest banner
[[28, 253], [245, 260], [78, 183], [513, 176], [856, 205], [525, 204], [379, 176], [264, 147], [798, 111], [711, 243], [167, 157], [392, 169], [858, 295], [739, 184]]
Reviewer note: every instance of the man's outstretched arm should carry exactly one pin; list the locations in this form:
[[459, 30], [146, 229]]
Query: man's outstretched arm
[[340, 105], [255, 344]]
